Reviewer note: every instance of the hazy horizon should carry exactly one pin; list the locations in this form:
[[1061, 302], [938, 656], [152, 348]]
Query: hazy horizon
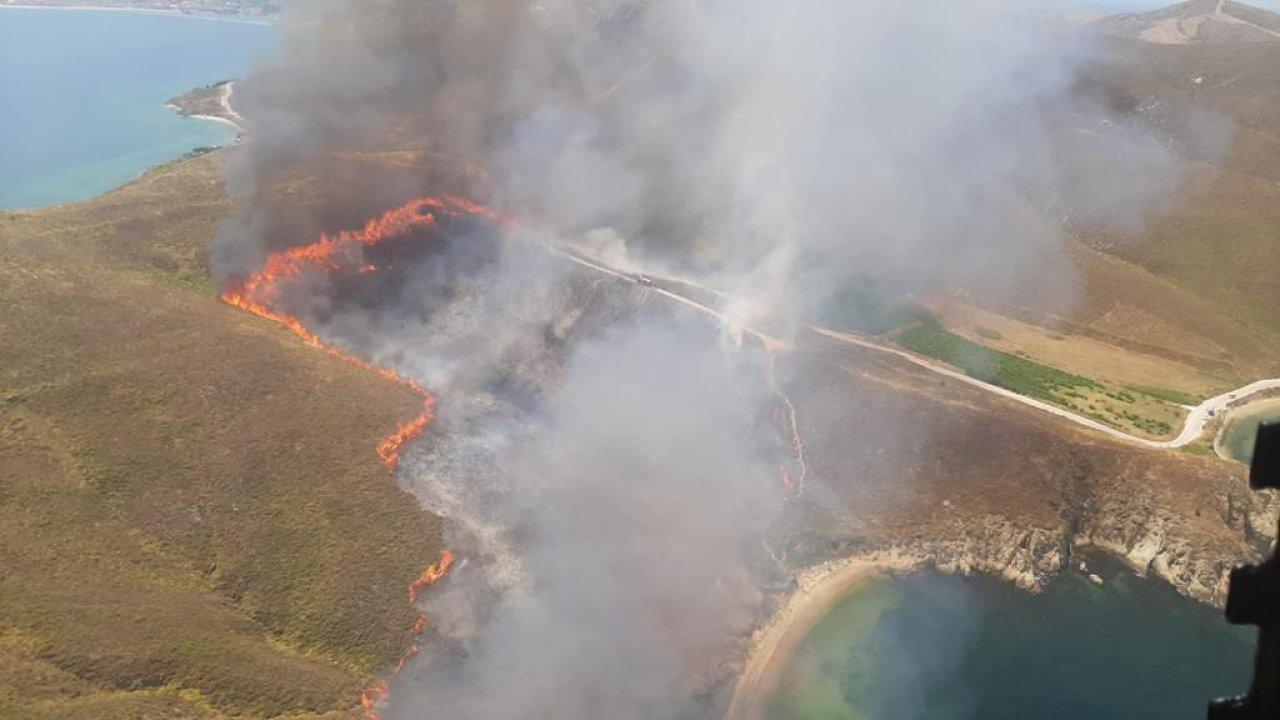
[[1140, 5]]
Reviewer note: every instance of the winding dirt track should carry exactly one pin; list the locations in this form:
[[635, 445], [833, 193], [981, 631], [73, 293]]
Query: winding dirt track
[[682, 290], [1193, 427], [226, 98]]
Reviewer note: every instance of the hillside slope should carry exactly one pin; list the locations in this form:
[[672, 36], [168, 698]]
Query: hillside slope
[[1186, 300], [1220, 240], [193, 519], [1197, 21]]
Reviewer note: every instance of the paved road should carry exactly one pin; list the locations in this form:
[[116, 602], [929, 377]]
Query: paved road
[[704, 299]]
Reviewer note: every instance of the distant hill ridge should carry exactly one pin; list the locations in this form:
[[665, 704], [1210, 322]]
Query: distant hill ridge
[[1195, 22]]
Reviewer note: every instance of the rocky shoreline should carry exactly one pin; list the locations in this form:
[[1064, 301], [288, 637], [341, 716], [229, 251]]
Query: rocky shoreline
[[1151, 541], [1028, 558]]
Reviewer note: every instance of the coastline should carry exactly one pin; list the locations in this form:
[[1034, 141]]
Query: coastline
[[230, 117], [1248, 410], [148, 135], [818, 590], [778, 643], [220, 120], [237, 19]]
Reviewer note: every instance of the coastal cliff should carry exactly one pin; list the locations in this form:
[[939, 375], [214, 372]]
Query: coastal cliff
[[1193, 554], [1157, 541]]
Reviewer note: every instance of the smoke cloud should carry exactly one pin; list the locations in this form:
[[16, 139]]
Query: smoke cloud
[[635, 501], [608, 463]]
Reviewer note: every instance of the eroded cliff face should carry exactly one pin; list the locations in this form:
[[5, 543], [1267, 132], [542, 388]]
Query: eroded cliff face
[[920, 473], [1026, 557], [1193, 554], [983, 487]]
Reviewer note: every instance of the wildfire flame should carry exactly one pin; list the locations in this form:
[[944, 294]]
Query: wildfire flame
[[373, 697], [430, 576], [260, 292]]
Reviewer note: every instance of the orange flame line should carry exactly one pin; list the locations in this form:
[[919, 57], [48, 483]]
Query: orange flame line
[[372, 698], [258, 292], [430, 576], [329, 253]]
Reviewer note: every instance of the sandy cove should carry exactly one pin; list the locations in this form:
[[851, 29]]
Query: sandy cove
[[818, 589]]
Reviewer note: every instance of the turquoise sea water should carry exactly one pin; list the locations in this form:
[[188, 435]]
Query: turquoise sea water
[[949, 648], [1242, 427], [82, 96]]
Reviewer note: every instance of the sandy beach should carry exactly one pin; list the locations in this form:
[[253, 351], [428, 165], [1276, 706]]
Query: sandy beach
[[819, 588], [219, 120], [233, 119]]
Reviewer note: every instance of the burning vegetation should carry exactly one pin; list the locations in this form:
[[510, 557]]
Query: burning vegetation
[[374, 697], [260, 294], [781, 155]]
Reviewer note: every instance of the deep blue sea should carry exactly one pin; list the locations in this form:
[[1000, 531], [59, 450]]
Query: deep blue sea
[[951, 648], [82, 95]]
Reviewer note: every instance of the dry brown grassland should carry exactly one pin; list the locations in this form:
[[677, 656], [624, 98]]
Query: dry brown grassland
[[193, 520]]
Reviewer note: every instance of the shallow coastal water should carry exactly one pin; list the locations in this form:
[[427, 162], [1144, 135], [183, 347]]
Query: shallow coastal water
[[83, 93], [949, 648], [1242, 428]]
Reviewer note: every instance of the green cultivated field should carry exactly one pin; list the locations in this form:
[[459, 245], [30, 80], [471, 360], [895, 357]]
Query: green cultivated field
[[1169, 396], [1007, 371], [1137, 411]]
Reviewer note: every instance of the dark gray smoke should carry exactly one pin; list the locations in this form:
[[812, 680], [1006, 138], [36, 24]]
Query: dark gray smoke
[[606, 461]]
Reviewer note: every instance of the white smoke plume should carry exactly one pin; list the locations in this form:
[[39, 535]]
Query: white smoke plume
[[607, 467]]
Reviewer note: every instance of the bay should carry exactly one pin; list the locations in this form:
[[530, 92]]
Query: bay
[[83, 92]]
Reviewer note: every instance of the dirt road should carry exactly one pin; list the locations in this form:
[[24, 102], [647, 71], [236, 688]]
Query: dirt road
[[704, 299]]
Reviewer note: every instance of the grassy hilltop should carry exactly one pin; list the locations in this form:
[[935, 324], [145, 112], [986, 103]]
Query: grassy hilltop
[[193, 520], [1183, 308]]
